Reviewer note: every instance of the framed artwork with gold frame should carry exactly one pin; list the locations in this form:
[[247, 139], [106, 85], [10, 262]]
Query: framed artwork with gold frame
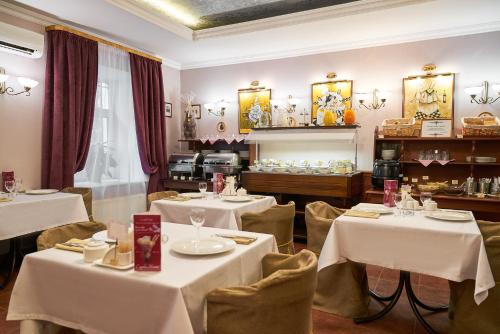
[[254, 108], [428, 97], [319, 90]]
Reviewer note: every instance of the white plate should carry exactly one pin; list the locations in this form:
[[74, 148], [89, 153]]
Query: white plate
[[376, 208], [206, 246], [41, 191], [193, 195], [450, 215], [102, 264], [237, 199]]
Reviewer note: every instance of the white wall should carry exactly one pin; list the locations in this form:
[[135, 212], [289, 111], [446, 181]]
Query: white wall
[[21, 116], [473, 58]]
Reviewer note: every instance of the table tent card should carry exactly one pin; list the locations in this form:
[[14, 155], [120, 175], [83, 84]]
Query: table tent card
[[147, 242]]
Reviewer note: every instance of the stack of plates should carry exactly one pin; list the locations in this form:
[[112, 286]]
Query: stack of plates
[[204, 246], [485, 159]]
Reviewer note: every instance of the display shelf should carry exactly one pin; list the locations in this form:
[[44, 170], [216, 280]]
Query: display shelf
[[435, 163], [344, 134]]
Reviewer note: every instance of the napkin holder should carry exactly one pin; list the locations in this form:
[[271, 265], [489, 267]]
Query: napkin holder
[[115, 258]]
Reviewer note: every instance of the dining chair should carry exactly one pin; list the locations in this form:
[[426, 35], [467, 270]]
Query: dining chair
[[49, 238], [342, 289], [86, 195], [468, 317], [160, 195], [280, 303], [488, 228], [277, 220]]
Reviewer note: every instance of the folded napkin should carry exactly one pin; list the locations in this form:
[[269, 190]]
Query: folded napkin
[[361, 214], [177, 198], [238, 238], [74, 245], [258, 196], [5, 199]]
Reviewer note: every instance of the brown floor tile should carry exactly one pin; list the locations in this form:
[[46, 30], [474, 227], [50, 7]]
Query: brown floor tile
[[433, 296], [390, 274], [433, 282], [373, 271], [7, 327], [326, 323]]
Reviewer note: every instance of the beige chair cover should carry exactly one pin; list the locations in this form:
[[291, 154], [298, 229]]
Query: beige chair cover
[[45, 327], [468, 317], [488, 229], [277, 220], [87, 198], [280, 303], [48, 239], [160, 195], [342, 288]]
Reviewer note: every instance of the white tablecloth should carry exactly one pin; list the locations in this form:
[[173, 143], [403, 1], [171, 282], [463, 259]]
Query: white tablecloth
[[451, 250], [33, 213], [57, 286], [219, 213]]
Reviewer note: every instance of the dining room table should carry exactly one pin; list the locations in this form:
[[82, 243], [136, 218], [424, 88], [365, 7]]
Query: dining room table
[[55, 286], [26, 213], [222, 212], [415, 242]]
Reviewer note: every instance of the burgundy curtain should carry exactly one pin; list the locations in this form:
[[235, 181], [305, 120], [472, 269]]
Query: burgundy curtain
[[149, 101], [70, 89]]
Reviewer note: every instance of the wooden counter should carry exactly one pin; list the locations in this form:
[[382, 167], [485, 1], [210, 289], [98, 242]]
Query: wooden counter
[[339, 186]]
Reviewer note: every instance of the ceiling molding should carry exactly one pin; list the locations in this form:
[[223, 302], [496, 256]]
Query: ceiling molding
[[44, 20], [324, 13], [397, 39], [162, 21]]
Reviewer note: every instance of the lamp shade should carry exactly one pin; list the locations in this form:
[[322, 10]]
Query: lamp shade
[[383, 94], [223, 104], [275, 102], [474, 90], [209, 106], [26, 82], [3, 78], [495, 87], [362, 96]]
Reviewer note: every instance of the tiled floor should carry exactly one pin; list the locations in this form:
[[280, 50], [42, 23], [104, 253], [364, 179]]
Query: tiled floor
[[400, 320]]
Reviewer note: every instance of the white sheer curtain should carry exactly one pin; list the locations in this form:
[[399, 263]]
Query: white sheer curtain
[[113, 169]]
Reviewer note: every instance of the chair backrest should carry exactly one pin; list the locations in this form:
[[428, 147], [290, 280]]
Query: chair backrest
[[86, 195], [280, 303], [48, 239], [277, 220], [493, 251], [160, 195], [319, 217]]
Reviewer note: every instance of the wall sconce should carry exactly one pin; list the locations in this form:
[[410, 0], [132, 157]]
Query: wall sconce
[[27, 83], [483, 92], [378, 99], [221, 108], [292, 104]]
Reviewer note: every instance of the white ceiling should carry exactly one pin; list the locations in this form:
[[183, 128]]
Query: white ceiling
[[361, 24]]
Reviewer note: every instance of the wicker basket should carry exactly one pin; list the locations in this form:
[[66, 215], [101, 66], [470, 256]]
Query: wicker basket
[[400, 127], [487, 126]]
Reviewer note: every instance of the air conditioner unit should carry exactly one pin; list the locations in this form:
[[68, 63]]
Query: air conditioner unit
[[20, 41]]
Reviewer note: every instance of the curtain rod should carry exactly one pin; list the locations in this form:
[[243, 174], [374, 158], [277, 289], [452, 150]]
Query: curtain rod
[[101, 40]]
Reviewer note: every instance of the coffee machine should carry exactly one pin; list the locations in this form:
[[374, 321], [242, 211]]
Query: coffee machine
[[385, 170]]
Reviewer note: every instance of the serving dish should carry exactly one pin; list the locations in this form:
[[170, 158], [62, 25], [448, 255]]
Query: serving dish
[[485, 159]]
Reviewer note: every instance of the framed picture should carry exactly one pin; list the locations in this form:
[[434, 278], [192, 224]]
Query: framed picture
[[436, 128], [429, 97], [168, 109], [329, 95], [196, 110], [254, 108], [221, 127]]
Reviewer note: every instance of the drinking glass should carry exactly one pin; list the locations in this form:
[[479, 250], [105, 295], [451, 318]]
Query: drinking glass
[[19, 185], [445, 155], [10, 186], [197, 217], [398, 200], [202, 186], [425, 196]]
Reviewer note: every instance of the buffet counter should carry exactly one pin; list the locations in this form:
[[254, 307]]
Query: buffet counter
[[339, 186]]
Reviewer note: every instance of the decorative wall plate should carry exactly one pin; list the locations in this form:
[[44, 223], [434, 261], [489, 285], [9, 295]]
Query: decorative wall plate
[[221, 126]]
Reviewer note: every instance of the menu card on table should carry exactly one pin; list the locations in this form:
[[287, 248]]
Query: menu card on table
[[147, 242]]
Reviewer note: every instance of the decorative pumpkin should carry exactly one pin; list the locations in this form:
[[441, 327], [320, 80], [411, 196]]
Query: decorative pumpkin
[[329, 118], [349, 116]]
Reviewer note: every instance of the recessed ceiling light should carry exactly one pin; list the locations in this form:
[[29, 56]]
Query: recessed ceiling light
[[173, 11]]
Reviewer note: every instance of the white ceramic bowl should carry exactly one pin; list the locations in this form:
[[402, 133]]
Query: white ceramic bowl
[[267, 169], [254, 168], [280, 169], [323, 170]]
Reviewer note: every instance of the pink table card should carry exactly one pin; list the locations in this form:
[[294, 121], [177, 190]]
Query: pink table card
[[147, 242]]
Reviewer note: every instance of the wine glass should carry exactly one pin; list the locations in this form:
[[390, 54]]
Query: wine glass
[[197, 217], [203, 188], [10, 186], [425, 196]]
